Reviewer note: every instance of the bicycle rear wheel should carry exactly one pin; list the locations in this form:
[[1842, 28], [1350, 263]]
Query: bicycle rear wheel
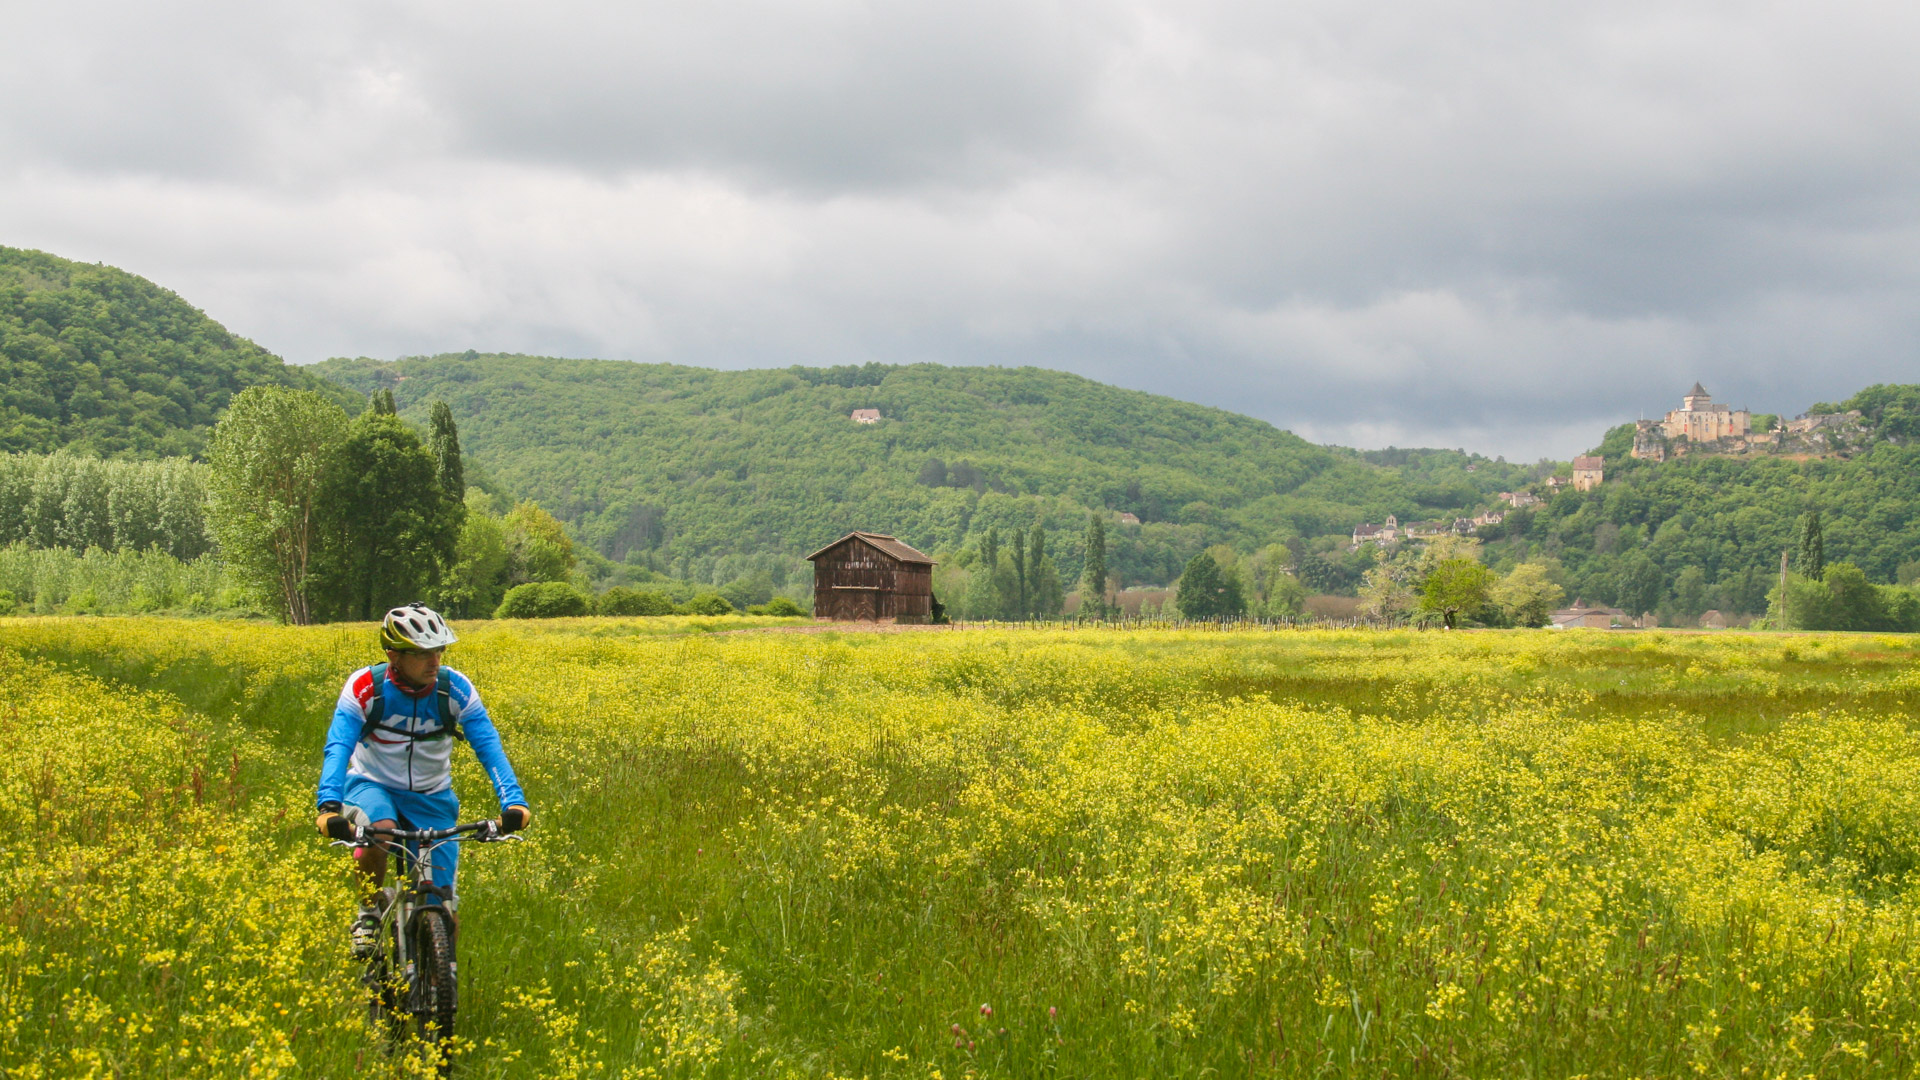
[[434, 996]]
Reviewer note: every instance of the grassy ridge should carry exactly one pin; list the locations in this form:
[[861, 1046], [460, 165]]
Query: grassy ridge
[[1147, 854]]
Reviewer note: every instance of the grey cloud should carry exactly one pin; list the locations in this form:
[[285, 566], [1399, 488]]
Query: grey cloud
[[821, 96], [1488, 223]]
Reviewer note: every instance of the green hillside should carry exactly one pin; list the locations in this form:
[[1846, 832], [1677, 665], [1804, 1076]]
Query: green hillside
[[1707, 531], [110, 363], [656, 461], [684, 469]]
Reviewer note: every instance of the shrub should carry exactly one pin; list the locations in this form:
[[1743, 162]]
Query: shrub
[[708, 604], [780, 606], [7, 602], [752, 590], [543, 600], [621, 600]]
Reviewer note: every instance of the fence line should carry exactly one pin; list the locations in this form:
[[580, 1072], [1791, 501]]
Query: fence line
[[1221, 622]]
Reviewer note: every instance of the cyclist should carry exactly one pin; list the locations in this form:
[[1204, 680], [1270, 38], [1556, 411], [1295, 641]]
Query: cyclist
[[389, 756]]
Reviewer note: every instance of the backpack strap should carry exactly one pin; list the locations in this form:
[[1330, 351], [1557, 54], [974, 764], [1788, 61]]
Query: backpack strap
[[443, 694], [377, 708], [443, 697]]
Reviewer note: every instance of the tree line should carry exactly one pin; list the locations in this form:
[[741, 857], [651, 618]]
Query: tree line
[[327, 517], [68, 500]]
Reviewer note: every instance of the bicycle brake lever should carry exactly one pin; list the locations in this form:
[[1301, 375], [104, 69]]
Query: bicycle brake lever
[[341, 843]]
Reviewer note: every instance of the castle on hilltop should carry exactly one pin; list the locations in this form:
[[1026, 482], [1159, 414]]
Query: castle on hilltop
[[1698, 420]]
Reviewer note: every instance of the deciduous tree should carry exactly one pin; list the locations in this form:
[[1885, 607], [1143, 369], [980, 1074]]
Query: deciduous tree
[[269, 459], [390, 527], [1205, 592], [1455, 586], [539, 546], [1527, 595]]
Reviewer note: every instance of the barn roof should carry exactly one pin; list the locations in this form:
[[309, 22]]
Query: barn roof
[[887, 545]]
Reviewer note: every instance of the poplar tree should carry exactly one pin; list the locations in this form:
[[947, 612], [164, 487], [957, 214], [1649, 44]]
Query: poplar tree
[[1018, 550], [1044, 594], [443, 439], [1093, 578], [1813, 546]]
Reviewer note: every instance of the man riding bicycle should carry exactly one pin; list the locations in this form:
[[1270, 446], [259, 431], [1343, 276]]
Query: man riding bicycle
[[389, 757]]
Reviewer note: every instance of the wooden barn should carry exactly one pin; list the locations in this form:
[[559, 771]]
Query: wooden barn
[[872, 577]]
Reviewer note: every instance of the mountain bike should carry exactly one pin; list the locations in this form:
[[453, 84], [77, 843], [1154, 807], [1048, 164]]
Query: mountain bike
[[413, 978]]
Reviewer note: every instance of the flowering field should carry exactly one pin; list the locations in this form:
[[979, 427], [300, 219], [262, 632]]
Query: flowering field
[[994, 852]]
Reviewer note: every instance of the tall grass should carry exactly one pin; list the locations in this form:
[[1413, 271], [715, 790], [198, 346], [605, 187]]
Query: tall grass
[[96, 581], [997, 853]]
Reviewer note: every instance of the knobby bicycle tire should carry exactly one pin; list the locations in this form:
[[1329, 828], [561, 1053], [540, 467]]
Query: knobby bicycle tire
[[434, 993]]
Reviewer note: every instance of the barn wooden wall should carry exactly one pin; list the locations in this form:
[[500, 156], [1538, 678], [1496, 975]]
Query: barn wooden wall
[[856, 581]]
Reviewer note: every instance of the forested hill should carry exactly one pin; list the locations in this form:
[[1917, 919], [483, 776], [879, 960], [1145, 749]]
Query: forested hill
[[688, 461], [1707, 530], [110, 363]]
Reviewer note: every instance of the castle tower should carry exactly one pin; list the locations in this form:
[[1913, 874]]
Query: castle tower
[[1697, 400], [1588, 472]]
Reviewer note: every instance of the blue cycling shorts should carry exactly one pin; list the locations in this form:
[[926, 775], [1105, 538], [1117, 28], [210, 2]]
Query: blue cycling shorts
[[440, 810]]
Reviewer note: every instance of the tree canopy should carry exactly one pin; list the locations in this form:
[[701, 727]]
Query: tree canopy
[[106, 362], [661, 462]]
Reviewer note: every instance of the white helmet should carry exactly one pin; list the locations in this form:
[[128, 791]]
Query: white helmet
[[415, 626]]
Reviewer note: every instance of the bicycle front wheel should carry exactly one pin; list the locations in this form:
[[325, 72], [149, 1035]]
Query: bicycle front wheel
[[434, 994]]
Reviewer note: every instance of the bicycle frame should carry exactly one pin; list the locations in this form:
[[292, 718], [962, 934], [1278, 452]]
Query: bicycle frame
[[410, 852]]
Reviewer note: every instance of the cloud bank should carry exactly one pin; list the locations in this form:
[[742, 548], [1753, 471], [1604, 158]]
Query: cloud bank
[[1473, 223]]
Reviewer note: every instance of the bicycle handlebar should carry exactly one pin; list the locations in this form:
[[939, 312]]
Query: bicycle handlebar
[[432, 834], [489, 833]]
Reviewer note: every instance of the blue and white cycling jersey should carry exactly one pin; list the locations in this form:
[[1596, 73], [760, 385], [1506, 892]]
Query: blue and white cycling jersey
[[394, 761]]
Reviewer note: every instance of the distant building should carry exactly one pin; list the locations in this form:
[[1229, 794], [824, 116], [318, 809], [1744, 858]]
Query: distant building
[[1580, 616], [1520, 500], [1369, 533], [1697, 420], [1588, 472], [1713, 620], [1127, 518], [1801, 425], [866, 416], [1488, 517]]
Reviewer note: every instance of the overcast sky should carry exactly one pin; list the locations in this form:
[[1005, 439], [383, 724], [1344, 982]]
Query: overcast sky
[[1494, 224]]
